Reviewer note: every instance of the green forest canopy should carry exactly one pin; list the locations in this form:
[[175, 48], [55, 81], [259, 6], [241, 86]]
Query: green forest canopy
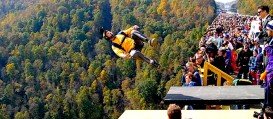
[[250, 7]]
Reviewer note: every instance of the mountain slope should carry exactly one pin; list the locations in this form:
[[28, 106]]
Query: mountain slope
[[250, 7], [54, 64], [7, 6]]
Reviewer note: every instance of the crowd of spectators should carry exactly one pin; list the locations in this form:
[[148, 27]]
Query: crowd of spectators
[[233, 43], [239, 45]]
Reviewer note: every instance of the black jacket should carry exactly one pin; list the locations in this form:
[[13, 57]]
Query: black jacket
[[263, 37]]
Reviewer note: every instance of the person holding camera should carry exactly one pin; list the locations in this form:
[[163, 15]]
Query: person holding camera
[[266, 114]]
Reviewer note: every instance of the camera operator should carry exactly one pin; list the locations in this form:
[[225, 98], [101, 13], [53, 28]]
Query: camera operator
[[268, 113]]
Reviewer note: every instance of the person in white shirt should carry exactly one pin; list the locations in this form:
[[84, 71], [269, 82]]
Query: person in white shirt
[[254, 29]]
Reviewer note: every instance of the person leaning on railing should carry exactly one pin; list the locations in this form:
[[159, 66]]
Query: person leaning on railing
[[194, 76]]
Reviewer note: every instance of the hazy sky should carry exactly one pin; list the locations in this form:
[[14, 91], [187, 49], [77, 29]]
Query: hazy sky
[[224, 1]]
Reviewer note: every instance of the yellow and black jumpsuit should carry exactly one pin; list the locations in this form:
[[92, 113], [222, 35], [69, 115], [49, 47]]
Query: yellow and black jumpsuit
[[124, 45]]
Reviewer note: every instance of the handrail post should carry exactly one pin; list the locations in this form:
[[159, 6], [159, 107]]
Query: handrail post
[[219, 79], [220, 74], [205, 80]]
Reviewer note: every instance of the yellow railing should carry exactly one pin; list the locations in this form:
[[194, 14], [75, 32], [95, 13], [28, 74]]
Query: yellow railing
[[220, 74]]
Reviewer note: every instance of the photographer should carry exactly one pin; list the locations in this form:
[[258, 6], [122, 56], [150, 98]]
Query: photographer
[[268, 113]]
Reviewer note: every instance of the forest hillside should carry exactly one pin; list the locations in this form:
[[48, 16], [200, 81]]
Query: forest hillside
[[250, 7], [54, 63]]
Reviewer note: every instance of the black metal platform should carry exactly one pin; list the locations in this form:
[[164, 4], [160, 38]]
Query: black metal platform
[[223, 95]]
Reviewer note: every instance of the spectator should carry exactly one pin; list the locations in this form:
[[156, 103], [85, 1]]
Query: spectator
[[227, 41], [203, 48], [220, 59], [219, 40], [174, 112], [188, 80], [228, 57], [243, 60], [212, 39], [268, 113], [254, 30], [258, 47], [199, 59], [211, 52], [253, 67], [259, 66], [202, 41], [263, 12], [195, 78], [269, 68]]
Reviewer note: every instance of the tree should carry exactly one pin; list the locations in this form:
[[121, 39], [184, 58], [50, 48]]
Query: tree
[[36, 25], [22, 115], [126, 67], [88, 109], [118, 103], [70, 106], [85, 47], [36, 108], [148, 90], [11, 71], [28, 69], [162, 6], [54, 105]]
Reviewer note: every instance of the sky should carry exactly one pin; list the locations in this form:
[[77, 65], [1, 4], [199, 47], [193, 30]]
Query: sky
[[224, 1]]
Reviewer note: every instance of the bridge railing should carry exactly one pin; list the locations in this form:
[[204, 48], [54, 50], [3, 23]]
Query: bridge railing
[[220, 74]]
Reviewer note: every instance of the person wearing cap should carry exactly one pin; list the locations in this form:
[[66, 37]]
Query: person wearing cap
[[268, 74], [128, 43]]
